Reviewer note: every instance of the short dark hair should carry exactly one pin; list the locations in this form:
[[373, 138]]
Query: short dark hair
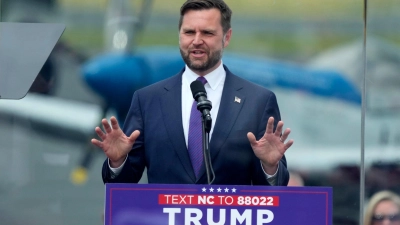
[[226, 12]]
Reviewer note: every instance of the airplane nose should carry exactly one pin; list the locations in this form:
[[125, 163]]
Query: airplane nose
[[114, 76]]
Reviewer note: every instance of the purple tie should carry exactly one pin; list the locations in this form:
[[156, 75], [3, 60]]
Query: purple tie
[[195, 139]]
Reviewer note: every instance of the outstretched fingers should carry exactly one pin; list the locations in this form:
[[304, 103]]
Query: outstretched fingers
[[289, 144], [252, 138], [114, 123], [279, 128], [106, 126], [107, 130], [97, 143], [135, 134], [285, 135], [270, 126], [100, 133]]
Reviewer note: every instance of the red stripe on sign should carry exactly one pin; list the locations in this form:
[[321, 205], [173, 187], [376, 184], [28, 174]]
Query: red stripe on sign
[[218, 200]]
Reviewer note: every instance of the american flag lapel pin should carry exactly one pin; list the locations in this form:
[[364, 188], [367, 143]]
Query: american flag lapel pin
[[237, 99]]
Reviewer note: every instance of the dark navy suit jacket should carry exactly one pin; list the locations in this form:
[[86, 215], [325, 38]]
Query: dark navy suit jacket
[[156, 112]]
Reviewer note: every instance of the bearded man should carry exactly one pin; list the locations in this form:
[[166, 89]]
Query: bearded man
[[247, 145]]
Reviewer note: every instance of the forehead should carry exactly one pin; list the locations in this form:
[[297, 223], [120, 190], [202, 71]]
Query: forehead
[[208, 18], [386, 207]]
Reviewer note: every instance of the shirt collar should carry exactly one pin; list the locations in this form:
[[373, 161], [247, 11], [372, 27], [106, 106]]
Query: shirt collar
[[214, 78]]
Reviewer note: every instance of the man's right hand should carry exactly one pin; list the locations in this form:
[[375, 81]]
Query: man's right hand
[[115, 144]]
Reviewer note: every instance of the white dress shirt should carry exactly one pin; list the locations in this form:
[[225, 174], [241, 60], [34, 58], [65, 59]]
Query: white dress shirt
[[214, 87]]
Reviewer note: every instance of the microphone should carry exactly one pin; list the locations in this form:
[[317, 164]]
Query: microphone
[[203, 104]]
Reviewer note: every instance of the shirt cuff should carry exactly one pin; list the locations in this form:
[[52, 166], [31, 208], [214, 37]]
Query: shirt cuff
[[271, 178], [116, 171]]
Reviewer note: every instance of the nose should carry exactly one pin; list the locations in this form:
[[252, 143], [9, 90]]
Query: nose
[[197, 39], [386, 221]]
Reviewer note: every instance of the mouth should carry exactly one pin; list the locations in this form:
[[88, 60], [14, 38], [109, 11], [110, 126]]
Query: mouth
[[197, 53]]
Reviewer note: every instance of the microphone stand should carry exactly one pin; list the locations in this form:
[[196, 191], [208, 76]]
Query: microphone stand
[[204, 106], [206, 124]]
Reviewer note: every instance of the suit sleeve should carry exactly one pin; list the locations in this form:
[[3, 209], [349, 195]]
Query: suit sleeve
[[282, 176], [134, 166]]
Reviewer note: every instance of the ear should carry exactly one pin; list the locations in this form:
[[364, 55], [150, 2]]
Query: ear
[[227, 37]]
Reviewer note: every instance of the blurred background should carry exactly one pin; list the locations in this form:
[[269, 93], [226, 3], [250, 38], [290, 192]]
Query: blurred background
[[310, 53]]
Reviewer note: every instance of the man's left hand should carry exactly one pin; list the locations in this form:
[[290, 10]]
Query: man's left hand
[[271, 147]]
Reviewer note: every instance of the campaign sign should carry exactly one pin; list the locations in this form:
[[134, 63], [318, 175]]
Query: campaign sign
[[162, 204]]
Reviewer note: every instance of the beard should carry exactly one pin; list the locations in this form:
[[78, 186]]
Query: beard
[[211, 60]]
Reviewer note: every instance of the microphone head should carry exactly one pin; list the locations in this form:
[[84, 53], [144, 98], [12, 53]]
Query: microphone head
[[197, 87]]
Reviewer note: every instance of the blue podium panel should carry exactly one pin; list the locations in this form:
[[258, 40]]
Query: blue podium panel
[[150, 204]]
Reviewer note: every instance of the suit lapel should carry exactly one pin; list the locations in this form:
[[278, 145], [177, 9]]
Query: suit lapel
[[171, 108], [231, 104]]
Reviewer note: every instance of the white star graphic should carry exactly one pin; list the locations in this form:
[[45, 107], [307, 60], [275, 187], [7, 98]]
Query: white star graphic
[[226, 190], [204, 189], [219, 189], [211, 189], [233, 190]]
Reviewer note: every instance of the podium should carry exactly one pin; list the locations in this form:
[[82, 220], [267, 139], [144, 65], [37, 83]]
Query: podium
[[165, 204]]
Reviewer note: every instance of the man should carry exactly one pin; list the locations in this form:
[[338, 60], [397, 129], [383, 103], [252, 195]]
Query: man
[[159, 123]]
